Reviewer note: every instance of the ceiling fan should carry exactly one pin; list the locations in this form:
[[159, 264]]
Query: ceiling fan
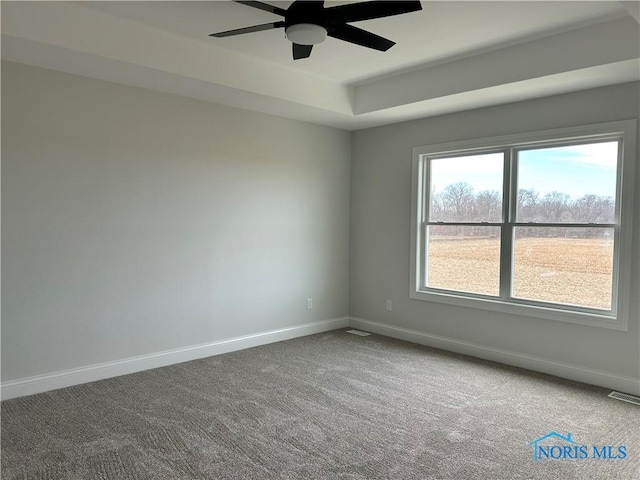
[[307, 23]]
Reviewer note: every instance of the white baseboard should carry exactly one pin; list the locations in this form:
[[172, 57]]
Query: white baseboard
[[572, 372], [91, 373]]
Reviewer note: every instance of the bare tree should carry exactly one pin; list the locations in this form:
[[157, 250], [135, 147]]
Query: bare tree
[[528, 205], [459, 201], [594, 209], [437, 211], [555, 207], [488, 206]]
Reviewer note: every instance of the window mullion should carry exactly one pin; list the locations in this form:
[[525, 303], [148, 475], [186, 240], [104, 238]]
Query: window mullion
[[424, 194], [508, 215]]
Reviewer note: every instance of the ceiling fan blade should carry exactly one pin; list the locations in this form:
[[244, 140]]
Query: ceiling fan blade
[[355, 12], [301, 51], [255, 28], [263, 6], [358, 36], [305, 4]]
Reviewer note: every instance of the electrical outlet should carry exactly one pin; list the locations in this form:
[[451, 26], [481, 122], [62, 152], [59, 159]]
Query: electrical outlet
[[389, 305], [309, 303]]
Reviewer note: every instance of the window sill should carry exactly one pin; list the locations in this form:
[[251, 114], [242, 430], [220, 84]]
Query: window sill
[[618, 322]]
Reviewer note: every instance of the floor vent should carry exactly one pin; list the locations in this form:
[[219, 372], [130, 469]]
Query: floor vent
[[625, 398], [359, 332]]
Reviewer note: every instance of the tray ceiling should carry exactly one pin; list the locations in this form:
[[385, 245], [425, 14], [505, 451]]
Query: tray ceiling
[[449, 56]]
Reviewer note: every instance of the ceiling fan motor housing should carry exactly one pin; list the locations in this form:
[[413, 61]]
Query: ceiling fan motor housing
[[306, 33], [304, 23]]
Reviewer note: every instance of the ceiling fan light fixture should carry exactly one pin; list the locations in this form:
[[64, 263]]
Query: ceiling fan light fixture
[[306, 34]]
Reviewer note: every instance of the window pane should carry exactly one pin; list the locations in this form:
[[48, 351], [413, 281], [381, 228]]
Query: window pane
[[464, 258], [570, 184], [572, 266], [466, 189]]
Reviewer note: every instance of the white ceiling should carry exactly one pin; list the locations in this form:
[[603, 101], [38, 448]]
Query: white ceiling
[[441, 30], [450, 56]]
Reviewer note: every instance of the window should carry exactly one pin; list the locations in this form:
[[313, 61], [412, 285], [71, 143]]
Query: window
[[536, 224]]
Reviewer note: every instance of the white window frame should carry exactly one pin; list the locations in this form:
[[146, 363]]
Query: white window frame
[[617, 318]]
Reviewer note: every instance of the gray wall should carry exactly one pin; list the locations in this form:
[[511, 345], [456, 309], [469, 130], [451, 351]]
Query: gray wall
[[135, 222], [380, 233]]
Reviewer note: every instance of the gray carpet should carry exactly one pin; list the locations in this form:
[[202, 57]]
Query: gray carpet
[[327, 406]]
